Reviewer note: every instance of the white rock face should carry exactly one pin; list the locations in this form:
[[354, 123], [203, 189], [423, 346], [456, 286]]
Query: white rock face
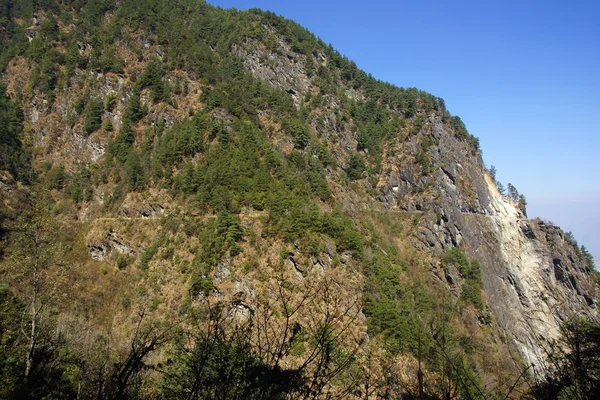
[[532, 276], [524, 262]]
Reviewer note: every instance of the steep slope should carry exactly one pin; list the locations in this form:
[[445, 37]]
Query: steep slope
[[533, 277], [200, 159]]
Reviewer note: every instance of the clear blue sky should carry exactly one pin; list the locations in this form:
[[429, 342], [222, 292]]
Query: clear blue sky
[[523, 75]]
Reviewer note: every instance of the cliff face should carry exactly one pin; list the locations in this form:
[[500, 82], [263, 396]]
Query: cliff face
[[392, 161], [532, 276]]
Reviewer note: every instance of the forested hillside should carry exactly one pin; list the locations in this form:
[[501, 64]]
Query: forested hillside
[[214, 204]]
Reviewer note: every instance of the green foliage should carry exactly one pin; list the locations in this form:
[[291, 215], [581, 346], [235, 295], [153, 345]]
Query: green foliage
[[215, 364], [570, 239], [111, 101], [149, 254], [470, 271], [412, 319], [500, 187], [79, 105], [460, 130], [575, 359], [108, 61], [134, 176], [152, 78], [339, 227], [135, 111], [229, 227], [596, 276], [220, 366], [216, 238], [428, 141], [13, 40], [121, 146], [425, 162], [493, 172], [55, 177], [73, 59], [522, 203], [183, 139], [93, 116], [10, 360], [514, 194], [80, 187], [588, 257], [387, 303], [356, 167], [123, 260], [299, 132], [227, 177], [13, 157]]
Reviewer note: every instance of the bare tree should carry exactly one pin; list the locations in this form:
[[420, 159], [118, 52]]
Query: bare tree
[[34, 264], [309, 328], [290, 343], [147, 338]]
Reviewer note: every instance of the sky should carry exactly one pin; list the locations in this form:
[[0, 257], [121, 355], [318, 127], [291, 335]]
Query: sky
[[524, 76]]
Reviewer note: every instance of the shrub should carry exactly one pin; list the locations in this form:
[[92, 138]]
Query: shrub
[[124, 260]]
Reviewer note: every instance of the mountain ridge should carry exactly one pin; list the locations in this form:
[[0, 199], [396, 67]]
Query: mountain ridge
[[269, 155]]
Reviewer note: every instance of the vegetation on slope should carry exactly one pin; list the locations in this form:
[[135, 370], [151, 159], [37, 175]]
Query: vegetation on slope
[[13, 158], [218, 160]]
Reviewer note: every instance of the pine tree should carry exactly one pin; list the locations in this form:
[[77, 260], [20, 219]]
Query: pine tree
[[513, 193], [135, 111], [500, 187], [523, 204], [493, 173]]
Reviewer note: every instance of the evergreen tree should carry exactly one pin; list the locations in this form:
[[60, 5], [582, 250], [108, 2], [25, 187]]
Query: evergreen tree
[[135, 111], [500, 187], [523, 204], [122, 144], [134, 173], [356, 167], [93, 116], [588, 256], [493, 173], [513, 193]]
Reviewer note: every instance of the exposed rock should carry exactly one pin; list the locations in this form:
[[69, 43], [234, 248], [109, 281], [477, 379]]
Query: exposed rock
[[101, 250], [281, 72], [137, 206], [451, 276], [223, 269], [532, 277]]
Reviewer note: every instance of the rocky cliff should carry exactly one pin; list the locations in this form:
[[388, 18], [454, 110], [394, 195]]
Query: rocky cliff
[[532, 276], [235, 152]]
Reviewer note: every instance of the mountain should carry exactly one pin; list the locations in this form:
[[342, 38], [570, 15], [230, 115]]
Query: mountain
[[209, 203]]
